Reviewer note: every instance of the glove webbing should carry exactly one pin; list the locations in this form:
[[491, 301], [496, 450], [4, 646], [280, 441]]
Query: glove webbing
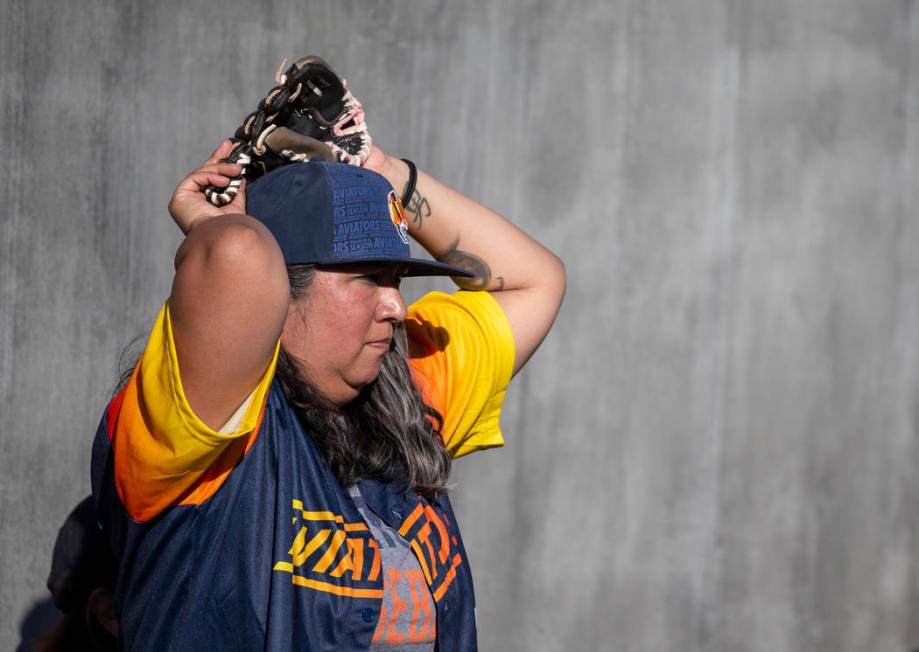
[[257, 123]]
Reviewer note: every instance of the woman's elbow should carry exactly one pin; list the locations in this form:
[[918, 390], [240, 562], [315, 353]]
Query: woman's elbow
[[557, 279], [232, 255], [233, 242]]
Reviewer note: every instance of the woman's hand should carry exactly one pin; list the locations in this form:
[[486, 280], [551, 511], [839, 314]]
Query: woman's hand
[[376, 160], [394, 170], [189, 205]]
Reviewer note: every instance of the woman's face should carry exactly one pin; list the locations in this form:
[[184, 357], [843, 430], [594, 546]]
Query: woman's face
[[340, 329]]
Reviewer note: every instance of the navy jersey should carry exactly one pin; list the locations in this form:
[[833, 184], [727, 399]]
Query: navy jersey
[[246, 540]]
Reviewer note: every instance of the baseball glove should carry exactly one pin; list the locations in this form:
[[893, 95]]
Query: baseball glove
[[309, 113]]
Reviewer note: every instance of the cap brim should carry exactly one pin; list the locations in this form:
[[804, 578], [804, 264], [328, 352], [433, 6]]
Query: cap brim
[[413, 266]]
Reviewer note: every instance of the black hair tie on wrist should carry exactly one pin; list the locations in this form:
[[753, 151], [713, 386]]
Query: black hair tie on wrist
[[412, 178]]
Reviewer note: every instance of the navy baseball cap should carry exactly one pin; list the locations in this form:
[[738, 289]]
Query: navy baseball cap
[[329, 213]]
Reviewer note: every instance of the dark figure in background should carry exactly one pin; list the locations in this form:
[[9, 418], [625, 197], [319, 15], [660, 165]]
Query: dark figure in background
[[82, 584]]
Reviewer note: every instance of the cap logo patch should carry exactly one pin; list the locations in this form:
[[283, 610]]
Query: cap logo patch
[[397, 215]]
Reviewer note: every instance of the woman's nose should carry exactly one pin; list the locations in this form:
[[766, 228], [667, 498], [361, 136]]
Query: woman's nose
[[392, 305]]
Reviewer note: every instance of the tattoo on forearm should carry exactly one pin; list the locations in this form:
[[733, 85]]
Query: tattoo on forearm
[[469, 262], [419, 208]]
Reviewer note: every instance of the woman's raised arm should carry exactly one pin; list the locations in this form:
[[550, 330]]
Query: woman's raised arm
[[526, 279], [229, 297]]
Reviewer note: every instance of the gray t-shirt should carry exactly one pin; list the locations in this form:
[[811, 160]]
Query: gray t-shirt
[[408, 619]]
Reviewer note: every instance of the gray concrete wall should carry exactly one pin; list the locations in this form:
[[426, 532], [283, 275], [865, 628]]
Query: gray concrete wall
[[714, 449]]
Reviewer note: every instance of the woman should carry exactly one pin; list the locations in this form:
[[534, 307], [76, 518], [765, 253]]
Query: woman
[[273, 475]]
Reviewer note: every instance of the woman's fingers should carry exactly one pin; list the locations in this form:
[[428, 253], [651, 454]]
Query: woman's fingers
[[217, 174], [189, 204], [221, 152], [220, 169], [228, 169], [214, 179], [198, 181]]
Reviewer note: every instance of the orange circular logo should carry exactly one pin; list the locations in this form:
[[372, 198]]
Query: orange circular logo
[[397, 215]]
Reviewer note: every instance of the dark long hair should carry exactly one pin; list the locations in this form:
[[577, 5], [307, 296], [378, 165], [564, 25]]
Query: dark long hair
[[388, 432]]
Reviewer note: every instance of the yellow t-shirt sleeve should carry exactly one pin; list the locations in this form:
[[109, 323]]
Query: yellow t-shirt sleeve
[[165, 454], [462, 356]]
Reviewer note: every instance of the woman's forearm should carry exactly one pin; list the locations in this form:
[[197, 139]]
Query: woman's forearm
[[458, 230], [526, 279]]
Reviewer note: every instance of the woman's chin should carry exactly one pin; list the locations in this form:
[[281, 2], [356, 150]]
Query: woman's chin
[[353, 387]]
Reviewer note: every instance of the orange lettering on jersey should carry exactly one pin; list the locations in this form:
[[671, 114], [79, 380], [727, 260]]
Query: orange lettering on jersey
[[410, 521], [399, 606], [431, 544], [448, 579], [333, 544], [432, 517], [375, 567], [352, 561], [326, 560], [422, 561], [424, 535], [300, 550], [421, 625], [408, 596], [380, 632]]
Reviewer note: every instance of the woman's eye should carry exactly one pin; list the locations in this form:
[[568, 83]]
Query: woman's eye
[[382, 278], [373, 279]]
